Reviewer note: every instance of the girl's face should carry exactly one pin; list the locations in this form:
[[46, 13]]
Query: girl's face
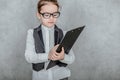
[[48, 15]]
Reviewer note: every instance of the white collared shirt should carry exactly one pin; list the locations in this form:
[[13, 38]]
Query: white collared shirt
[[54, 73]]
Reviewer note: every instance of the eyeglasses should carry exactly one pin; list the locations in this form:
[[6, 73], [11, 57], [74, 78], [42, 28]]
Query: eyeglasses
[[47, 15]]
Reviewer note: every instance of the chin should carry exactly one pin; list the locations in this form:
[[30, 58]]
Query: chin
[[50, 26]]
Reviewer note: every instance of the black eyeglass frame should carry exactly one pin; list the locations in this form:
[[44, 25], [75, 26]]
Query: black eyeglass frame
[[50, 14]]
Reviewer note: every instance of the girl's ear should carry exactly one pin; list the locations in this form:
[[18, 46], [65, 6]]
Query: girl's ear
[[38, 15]]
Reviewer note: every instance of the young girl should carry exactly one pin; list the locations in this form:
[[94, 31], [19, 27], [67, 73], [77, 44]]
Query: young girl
[[42, 43]]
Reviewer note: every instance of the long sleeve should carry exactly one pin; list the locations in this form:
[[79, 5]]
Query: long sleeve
[[69, 58], [30, 54]]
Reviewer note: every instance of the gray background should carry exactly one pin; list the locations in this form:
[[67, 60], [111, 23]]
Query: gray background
[[97, 50]]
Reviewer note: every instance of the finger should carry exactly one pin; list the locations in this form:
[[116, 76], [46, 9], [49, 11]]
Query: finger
[[50, 56], [53, 58], [54, 55], [56, 46], [62, 48]]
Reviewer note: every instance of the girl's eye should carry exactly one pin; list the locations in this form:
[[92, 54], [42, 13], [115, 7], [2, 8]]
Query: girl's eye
[[47, 14]]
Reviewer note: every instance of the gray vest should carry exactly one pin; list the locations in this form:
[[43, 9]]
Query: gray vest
[[40, 48]]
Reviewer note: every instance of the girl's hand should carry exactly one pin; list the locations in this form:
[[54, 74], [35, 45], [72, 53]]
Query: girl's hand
[[53, 55]]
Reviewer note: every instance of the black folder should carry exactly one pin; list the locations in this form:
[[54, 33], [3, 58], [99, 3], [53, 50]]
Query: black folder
[[67, 42]]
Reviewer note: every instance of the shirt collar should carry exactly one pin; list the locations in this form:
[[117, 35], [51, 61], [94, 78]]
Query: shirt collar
[[47, 28]]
